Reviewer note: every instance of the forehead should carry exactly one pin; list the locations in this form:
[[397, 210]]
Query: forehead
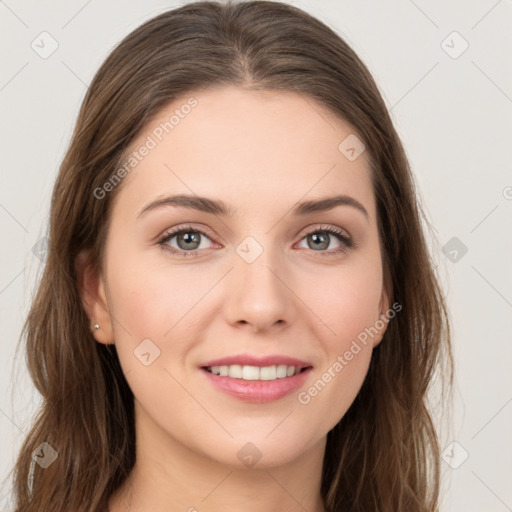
[[247, 147]]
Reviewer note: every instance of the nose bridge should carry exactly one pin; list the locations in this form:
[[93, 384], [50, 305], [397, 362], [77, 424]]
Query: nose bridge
[[258, 295]]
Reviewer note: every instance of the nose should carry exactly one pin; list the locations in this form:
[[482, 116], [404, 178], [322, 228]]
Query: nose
[[258, 295]]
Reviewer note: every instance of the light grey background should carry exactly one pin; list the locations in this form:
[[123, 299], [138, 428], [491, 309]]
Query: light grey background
[[453, 112]]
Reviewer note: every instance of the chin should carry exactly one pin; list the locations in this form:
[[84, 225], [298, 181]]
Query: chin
[[256, 452]]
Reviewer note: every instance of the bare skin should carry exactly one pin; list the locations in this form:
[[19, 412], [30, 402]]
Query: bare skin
[[260, 152]]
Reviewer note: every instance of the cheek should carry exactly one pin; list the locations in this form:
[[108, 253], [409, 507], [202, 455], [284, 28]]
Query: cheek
[[346, 302], [348, 307], [150, 298], [154, 301], [151, 314], [335, 386]]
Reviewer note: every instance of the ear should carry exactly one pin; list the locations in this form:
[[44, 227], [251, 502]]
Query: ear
[[381, 322], [94, 300]]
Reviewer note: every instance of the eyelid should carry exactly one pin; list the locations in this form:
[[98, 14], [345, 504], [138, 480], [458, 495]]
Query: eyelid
[[189, 227], [325, 227], [172, 232]]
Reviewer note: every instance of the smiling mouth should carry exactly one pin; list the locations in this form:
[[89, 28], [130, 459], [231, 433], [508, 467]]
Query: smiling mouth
[[261, 373]]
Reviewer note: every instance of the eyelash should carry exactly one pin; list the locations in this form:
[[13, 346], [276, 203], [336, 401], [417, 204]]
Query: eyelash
[[346, 242]]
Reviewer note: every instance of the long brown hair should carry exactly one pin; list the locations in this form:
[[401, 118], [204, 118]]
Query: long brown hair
[[384, 453]]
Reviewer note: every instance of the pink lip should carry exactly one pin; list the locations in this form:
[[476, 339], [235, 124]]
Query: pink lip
[[257, 390], [248, 360]]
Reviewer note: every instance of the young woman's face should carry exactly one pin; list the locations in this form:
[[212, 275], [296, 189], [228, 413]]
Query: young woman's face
[[263, 285]]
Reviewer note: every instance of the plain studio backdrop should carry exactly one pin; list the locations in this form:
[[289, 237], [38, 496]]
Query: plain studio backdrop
[[444, 71]]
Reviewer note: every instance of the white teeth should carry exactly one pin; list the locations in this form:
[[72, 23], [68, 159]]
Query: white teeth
[[268, 373], [250, 373], [237, 371], [281, 371]]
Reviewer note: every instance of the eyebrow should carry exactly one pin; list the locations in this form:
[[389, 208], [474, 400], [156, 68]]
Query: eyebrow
[[218, 207]]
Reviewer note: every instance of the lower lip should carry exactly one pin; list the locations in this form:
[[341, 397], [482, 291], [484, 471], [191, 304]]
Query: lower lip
[[258, 390]]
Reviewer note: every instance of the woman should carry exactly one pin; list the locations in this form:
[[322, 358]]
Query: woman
[[238, 308]]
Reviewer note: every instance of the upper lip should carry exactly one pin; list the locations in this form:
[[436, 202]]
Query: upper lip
[[249, 360]]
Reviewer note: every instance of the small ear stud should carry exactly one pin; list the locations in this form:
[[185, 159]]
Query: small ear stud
[[96, 326]]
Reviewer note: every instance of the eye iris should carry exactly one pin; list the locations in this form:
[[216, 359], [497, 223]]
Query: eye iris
[[316, 237], [188, 237]]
